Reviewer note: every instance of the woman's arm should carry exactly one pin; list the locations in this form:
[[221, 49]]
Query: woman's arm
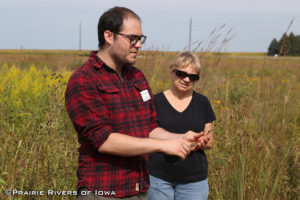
[[160, 133]]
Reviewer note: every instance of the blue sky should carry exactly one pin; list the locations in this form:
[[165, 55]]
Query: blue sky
[[54, 24]]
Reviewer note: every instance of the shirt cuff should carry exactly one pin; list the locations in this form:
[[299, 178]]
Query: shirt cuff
[[98, 137]]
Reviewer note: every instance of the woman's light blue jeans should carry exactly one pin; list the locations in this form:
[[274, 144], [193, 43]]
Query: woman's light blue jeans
[[164, 190]]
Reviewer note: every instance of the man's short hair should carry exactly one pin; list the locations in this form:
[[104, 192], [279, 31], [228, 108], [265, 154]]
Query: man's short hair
[[112, 20]]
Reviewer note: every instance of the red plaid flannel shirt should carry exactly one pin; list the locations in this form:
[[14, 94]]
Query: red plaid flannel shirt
[[99, 103]]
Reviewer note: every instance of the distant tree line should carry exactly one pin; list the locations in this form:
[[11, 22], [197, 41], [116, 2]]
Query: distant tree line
[[286, 46]]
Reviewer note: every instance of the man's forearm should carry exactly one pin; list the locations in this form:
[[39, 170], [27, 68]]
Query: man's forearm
[[124, 145]]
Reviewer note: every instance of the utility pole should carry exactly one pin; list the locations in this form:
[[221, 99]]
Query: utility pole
[[190, 34], [80, 36]]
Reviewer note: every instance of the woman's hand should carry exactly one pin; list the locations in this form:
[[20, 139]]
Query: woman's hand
[[207, 140]]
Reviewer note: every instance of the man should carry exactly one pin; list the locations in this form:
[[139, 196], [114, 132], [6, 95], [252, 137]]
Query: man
[[111, 107]]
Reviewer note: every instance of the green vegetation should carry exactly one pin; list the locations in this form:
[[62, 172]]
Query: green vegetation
[[255, 98], [286, 46]]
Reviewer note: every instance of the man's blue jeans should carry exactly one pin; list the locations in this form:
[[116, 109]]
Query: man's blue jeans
[[164, 190]]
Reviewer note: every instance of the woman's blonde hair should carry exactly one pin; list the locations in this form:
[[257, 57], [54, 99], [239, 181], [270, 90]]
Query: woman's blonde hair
[[184, 59]]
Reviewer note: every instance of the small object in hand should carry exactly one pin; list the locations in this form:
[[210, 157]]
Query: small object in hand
[[192, 145]]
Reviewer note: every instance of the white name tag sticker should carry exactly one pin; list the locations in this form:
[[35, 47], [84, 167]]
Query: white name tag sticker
[[145, 95]]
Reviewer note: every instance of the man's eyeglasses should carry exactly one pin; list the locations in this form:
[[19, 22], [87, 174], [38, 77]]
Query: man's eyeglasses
[[182, 74], [134, 38]]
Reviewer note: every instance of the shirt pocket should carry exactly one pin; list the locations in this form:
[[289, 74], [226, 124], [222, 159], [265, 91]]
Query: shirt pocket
[[109, 89], [111, 100]]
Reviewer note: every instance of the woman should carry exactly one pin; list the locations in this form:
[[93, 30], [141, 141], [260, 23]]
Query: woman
[[180, 109]]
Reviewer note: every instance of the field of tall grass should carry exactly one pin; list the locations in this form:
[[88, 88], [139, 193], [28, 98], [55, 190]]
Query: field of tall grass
[[255, 99]]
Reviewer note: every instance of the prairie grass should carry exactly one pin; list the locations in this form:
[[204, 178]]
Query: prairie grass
[[255, 99]]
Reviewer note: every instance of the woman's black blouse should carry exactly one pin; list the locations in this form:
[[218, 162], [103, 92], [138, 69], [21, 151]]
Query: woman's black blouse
[[194, 117]]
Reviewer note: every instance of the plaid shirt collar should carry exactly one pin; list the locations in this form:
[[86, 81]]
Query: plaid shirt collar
[[98, 63]]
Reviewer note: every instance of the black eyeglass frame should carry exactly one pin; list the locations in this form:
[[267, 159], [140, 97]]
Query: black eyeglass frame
[[133, 39], [182, 74]]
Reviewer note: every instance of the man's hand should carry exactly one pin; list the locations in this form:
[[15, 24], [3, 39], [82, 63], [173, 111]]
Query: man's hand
[[198, 140], [178, 147], [192, 136]]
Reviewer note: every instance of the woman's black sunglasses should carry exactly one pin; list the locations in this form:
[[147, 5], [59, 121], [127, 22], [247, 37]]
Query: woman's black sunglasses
[[182, 74]]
